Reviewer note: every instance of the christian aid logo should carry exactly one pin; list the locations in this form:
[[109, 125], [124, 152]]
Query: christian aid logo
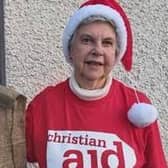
[[87, 149]]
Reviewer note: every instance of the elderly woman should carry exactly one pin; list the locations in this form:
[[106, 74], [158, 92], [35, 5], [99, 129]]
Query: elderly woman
[[92, 120]]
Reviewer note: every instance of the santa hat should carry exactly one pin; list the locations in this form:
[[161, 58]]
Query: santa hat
[[110, 10], [140, 114]]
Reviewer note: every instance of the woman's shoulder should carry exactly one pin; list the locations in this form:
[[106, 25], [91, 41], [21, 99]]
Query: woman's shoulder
[[50, 92], [140, 110], [131, 91]]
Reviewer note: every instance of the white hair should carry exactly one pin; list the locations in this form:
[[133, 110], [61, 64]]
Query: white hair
[[92, 19]]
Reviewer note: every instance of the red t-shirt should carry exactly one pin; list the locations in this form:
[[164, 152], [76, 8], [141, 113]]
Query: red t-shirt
[[63, 131]]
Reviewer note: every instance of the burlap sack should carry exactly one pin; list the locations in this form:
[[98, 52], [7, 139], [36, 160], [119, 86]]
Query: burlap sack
[[12, 132]]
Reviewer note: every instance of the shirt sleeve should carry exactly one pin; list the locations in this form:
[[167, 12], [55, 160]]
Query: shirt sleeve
[[154, 153]]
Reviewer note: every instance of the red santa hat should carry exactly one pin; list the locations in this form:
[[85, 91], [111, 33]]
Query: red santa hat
[[140, 114], [110, 10]]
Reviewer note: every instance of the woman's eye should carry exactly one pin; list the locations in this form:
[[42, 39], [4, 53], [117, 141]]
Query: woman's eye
[[85, 40], [108, 43]]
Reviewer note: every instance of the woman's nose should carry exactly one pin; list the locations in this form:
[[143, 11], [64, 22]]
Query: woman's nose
[[98, 49]]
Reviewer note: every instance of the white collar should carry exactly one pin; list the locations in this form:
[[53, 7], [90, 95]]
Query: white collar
[[89, 95]]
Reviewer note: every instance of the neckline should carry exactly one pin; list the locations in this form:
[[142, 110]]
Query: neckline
[[89, 95]]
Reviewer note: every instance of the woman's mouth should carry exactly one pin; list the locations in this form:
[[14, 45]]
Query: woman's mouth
[[96, 63]]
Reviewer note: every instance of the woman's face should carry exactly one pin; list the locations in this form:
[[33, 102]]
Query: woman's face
[[93, 52]]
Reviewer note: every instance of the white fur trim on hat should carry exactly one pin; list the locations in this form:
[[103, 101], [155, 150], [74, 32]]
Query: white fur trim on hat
[[90, 10], [142, 114]]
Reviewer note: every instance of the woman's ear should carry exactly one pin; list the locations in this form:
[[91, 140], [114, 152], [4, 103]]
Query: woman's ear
[[70, 58], [117, 59], [70, 55]]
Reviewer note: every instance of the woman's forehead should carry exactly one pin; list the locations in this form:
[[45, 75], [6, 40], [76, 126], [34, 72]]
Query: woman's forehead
[[97, 28]]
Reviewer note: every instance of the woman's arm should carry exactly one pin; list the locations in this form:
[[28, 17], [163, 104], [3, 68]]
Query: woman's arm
[[154, 153]]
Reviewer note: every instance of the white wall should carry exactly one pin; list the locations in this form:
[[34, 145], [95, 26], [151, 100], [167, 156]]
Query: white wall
[[34, 58]]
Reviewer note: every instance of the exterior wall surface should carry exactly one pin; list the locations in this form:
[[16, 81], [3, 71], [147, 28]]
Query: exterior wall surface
[[34, 58]]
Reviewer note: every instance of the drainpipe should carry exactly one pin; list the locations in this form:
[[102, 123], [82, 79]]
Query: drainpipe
[[2, 45]]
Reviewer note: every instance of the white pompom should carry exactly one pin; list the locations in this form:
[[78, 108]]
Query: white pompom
[[142, 114]]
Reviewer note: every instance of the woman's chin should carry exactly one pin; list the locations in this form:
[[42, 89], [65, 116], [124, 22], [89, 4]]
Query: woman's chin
[[93, 77]]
